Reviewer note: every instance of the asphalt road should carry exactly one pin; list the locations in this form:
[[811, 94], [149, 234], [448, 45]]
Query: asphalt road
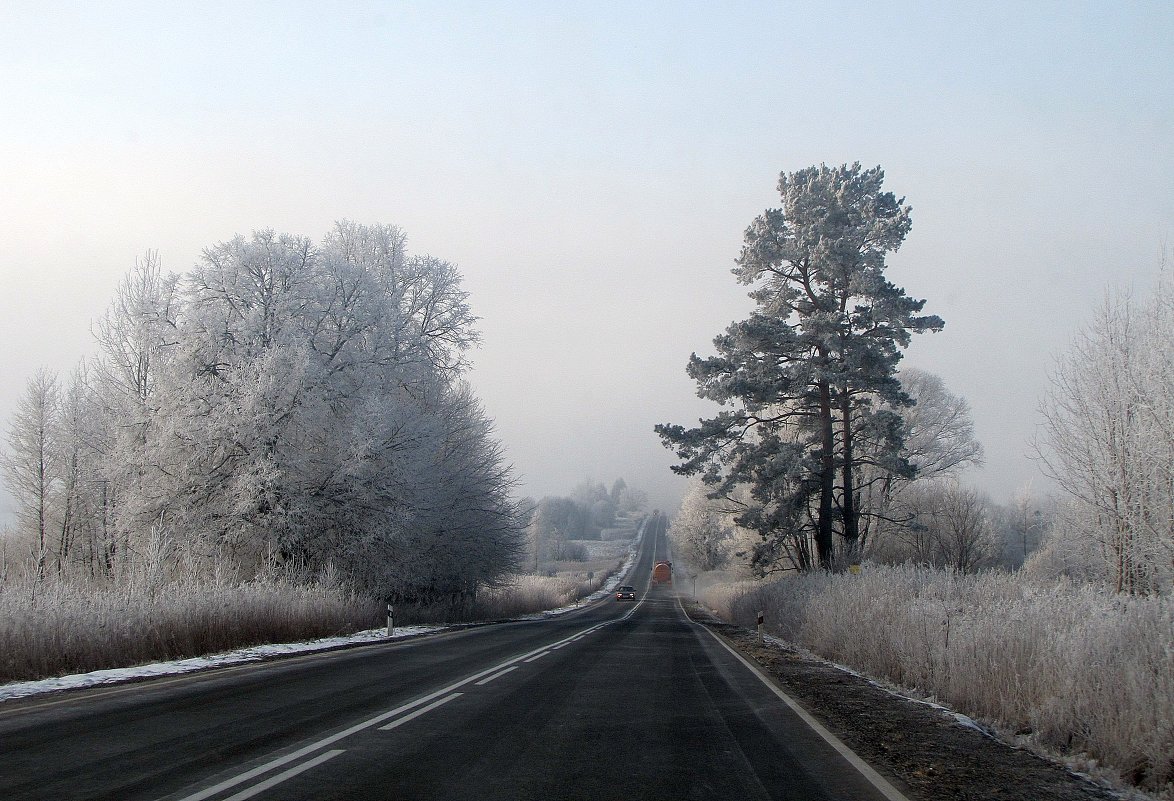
[[617, 701]]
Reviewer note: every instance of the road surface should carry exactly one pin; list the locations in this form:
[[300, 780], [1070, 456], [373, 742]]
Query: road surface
[[617, 701]]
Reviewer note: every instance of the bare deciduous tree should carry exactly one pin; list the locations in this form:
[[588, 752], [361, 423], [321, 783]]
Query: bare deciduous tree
[[962, 528], [938, 435], [949, 526], [29, 462], [1108, 437]]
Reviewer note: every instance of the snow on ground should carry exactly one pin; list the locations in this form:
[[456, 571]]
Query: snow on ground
[[605, 549], [258, 653], [608, 587]]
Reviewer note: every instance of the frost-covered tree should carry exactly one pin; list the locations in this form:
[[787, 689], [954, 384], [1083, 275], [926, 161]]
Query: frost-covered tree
[[295, 403], [78, 473], [937, 434], [318, 414], [617, 489], [702, 531], [588, 491], [811, 374], [134, 333], [119, 390], [29, 462], [959, 519], [949, 525], [632, 500], [555, 521], [1108, 437]]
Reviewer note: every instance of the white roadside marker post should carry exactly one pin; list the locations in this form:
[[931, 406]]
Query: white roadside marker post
[[390, 619], [760, 627]]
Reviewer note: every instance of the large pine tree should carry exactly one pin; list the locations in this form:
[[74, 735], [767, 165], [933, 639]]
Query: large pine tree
[[811, 374]]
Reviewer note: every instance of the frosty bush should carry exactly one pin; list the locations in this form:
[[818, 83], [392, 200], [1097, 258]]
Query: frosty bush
[[723, 597], [1076, 668], [527, 594]]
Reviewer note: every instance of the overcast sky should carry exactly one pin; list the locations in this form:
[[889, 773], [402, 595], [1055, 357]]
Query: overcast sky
[[591, 167]]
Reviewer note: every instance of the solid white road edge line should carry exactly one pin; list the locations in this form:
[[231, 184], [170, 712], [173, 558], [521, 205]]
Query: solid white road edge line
[[867, 771], [422, 711], [280, 777], [366, 724]]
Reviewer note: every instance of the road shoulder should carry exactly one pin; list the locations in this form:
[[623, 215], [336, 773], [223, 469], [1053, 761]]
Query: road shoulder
[[931, 753]]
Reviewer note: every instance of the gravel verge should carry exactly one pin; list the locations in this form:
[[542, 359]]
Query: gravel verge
[[936, 754]]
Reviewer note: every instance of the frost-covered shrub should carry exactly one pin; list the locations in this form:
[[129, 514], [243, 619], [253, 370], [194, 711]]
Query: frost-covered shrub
[[724, 597], [527, 594], [1075, 667]]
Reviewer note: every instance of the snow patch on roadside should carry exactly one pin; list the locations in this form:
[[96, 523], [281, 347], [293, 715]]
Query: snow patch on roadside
[[608, 587], [256, 653]]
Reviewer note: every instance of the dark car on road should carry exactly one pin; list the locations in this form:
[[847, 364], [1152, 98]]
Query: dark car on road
[[625, 593]]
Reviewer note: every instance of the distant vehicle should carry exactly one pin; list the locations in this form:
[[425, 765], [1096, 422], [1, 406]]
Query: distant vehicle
[[625, 593], [662, 573]]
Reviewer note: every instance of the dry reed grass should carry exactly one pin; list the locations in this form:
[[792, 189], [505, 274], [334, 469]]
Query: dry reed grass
[[55, 628], [1074, 669], [527, 594]]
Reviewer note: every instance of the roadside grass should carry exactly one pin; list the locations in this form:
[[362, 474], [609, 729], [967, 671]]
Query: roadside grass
[[1074, 670], [59, 627], [558, 584], [62, 625], [527, 594]]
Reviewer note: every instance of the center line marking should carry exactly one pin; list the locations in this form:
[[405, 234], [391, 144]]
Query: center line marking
[[497, 675], [286, 774], [273, 764], [422, 710], [536, 656]]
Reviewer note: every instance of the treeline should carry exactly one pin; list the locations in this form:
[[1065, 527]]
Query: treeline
[[940, 523], [927, 517], [587, 514], [283, 403]]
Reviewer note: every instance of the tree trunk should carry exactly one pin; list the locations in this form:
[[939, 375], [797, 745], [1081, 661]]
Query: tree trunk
[[827, 478], [851, 512]]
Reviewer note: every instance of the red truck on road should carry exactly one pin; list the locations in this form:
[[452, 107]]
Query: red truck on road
[[662, 573]]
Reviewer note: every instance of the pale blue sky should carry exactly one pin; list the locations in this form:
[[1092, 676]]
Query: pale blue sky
[[591, 167]]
